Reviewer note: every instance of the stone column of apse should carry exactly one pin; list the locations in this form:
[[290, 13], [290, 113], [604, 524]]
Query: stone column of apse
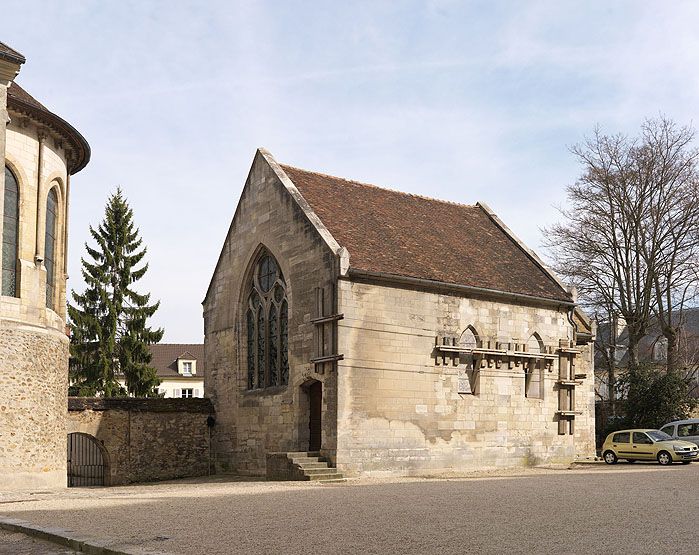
[[33, 340]]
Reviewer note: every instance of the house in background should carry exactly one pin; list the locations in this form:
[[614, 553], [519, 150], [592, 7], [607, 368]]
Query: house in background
[[611, 348], [180, 368]]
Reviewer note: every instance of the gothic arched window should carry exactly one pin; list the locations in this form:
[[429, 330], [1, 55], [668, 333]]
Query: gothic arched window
[[469, 367], [534, 369], [50, 244], [10, 235], [267, 320]]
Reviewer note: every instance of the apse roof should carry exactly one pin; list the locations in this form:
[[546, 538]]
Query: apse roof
[[21, 100]]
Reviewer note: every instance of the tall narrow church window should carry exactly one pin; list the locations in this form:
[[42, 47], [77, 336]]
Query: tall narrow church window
[[251, 348], [10, 235], [50, 245], [284, 341], [261, 344], [273, 342], [267, 322], [534, 369], [469, 365]]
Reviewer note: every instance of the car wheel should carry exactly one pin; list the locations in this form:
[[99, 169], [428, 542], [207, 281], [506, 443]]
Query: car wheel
[[609, 457], [664, 458], [630, 460]]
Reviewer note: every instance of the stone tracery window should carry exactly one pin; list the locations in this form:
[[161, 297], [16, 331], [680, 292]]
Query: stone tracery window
[[50, 244], [267, 320], [10, 235]]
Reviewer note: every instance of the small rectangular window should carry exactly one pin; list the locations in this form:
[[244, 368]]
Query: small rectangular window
[[187, 393]]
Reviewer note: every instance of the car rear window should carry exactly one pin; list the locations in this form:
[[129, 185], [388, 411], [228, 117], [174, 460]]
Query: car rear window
[[669, 430], [621, 437]]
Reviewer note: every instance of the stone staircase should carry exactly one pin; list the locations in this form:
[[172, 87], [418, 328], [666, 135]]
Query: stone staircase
[[314, 467], [302, 466]]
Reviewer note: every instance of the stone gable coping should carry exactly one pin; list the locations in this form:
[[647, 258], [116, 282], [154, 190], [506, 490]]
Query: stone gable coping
[[323, 231]]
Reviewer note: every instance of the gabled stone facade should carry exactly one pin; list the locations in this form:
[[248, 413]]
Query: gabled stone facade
[[396, 364]]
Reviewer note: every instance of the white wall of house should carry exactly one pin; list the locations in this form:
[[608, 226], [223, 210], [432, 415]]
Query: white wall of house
[[174, 387]]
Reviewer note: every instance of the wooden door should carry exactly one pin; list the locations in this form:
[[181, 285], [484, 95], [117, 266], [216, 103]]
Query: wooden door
[[315, 398]]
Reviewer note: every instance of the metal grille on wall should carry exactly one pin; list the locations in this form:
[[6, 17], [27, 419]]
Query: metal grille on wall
[[85, 461]]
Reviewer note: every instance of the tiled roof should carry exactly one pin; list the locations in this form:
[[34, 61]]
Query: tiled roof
[[21, 100], [16, 92], [391, 232], [165, 355], [11, 54]]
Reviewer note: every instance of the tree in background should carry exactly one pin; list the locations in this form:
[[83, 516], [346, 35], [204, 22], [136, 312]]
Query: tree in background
[[108, 322], [630, 243], [655, 398]]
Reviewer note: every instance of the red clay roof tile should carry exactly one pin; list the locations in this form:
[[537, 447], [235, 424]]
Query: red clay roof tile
[[408, 235], [165, 355]]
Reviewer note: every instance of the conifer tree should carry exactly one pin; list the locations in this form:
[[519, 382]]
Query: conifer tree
[[108, 322]]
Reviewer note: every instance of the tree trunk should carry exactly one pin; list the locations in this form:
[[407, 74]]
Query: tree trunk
[[672, 355]]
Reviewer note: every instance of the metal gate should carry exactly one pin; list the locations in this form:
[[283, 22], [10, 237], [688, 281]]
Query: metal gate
[[85, 461]]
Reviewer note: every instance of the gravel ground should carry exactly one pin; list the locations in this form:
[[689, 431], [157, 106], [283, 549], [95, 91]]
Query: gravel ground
[[642, 508]]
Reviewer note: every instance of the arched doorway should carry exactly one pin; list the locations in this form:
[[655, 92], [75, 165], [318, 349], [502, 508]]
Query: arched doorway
[[86, 461], [315, 415]]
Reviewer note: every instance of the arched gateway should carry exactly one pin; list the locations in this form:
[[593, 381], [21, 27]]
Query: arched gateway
[[86, 461]]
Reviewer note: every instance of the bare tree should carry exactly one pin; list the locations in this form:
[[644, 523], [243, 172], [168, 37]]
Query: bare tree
[[670, 226], [629, 237]]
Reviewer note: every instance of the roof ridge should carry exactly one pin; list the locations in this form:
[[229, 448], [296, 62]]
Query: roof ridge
[[389, 189], [176, 343]]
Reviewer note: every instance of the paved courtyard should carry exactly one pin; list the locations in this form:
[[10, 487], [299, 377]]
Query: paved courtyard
[[641, 508]]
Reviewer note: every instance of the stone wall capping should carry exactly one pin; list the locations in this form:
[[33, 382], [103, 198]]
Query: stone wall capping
[[194, 405]]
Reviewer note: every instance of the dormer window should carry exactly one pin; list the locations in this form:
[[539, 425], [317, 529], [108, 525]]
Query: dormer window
[[186, 366]]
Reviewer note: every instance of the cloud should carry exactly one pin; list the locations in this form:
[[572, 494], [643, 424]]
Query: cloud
[[462, 100]]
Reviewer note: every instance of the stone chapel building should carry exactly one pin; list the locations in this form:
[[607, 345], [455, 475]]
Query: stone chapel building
[[394, 333], [41, 151]]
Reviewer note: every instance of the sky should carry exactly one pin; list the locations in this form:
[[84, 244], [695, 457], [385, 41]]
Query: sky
[[464, 101]]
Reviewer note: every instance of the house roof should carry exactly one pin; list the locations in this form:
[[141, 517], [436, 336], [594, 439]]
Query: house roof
[[165, 355], [20, 100], [10, 54], [401, 234]]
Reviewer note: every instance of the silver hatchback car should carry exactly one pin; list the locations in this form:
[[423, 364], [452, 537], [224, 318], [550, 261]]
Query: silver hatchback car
[[686, 430]]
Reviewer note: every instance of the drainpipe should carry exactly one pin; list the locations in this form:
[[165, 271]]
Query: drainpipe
[[39, 251]]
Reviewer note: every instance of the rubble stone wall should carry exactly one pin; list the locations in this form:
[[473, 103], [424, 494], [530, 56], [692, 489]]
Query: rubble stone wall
[[146, 439]]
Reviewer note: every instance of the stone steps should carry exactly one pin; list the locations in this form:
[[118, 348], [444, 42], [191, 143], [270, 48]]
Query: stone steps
[[312, 467]]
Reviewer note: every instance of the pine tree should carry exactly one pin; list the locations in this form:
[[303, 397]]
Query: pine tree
[[109, 334]]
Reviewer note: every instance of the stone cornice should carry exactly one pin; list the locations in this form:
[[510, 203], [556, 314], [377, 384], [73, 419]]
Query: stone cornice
[[76, 148]]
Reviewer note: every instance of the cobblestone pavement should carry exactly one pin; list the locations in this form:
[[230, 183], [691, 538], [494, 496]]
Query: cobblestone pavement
[[14, 543], [641, 508]]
